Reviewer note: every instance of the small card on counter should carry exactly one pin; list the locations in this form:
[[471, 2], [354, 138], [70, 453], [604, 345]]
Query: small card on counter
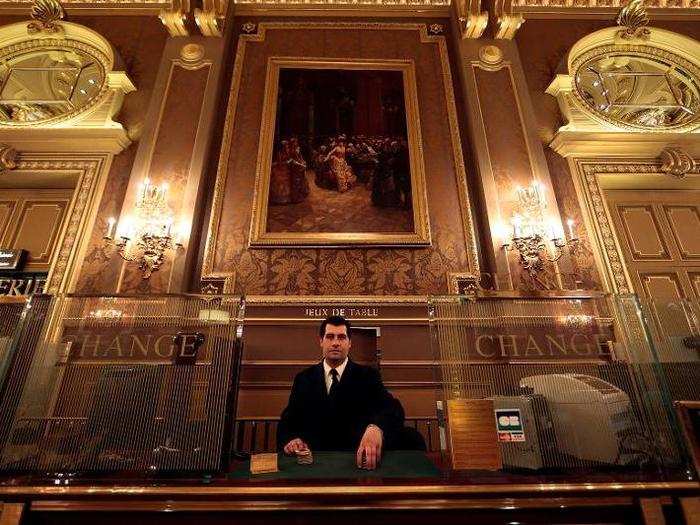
[[263, 463]]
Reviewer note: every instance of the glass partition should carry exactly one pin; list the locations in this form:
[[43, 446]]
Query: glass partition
[[674, 326], [11, 310], [148, 385], [129, 384], [573, 384]]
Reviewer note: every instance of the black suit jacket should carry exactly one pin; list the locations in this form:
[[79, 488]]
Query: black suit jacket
[[338, 423]]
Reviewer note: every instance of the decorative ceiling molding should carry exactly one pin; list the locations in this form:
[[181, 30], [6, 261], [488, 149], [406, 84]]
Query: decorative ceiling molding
[[45, 15], [611, 4], [156, 6], [507, 21], [93, 7], [472, 19], [357, 3], [175, 18], [210, 19], [633, 17], [603, 8]]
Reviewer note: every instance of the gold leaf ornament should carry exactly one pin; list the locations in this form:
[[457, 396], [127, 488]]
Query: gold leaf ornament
[[633, 17], [45, 15]]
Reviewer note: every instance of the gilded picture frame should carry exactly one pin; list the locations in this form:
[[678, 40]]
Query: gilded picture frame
[[259, 234]]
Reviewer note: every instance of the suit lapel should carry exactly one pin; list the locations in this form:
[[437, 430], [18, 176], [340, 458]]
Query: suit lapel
[[347, 377]]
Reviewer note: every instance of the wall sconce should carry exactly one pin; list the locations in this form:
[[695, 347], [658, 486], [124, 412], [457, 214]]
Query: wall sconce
[[145, 236], [538, 241]]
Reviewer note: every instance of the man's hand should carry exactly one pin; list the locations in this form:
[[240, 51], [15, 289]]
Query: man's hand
[[371, 447], [294, 446]]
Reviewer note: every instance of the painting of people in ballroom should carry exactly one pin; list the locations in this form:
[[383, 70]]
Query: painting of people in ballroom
[[340, 155]]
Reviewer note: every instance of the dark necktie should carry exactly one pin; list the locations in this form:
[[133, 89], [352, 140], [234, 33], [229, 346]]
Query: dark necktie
[[334, 382]]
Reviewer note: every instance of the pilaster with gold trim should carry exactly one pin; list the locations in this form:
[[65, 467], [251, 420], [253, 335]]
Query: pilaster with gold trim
[[507, 150], [173, 149]]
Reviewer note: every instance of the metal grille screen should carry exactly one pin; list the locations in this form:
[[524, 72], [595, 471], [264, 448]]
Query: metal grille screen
[[121, 384], [581, 375]]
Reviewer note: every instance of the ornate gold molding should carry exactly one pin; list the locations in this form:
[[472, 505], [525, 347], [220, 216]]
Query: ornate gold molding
[[507, 21], [331, 3], [419, 236], [174, 18], [462, 283], [227, 139], [289, 300], [210, 19], [94, 114], [676, 161], [472, 21], [491, 58], [633, 17], [8, 158], [218, 283], [75, 236], [592, 199], [45, 15], [563, 6]]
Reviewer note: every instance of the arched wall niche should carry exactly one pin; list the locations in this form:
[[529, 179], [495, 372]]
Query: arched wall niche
[[60, 90]]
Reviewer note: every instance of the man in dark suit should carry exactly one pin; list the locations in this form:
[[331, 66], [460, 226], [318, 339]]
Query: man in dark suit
[[339, 405]]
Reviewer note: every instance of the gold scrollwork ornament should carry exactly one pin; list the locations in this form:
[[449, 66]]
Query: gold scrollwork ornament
[[633, 17], [8, 158], [676, 162], [45, 15]]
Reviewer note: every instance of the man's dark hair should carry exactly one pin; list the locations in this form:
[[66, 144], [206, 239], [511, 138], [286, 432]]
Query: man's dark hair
[[335, 320]]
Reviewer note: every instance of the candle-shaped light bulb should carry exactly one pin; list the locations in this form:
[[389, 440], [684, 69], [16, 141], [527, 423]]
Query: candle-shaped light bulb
[[570, 224], [517, 221], [125, 228], [110, 227], [553, 229]]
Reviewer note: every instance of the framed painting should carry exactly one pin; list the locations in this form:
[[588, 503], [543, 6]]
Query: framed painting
[[340, 158]]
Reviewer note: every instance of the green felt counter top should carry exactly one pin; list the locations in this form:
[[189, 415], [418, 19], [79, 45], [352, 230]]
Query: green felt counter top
[[341, 465]]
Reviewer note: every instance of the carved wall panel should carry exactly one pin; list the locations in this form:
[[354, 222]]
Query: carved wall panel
[[7, 206], [342, 271], [641, 229], [685, 227], [658, 234], [695, 278], [34, 224]]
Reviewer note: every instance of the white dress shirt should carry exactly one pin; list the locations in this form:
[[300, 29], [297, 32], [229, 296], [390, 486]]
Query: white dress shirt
[[327, 372]]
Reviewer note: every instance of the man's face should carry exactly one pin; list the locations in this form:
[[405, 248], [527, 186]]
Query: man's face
[[335, 344]]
